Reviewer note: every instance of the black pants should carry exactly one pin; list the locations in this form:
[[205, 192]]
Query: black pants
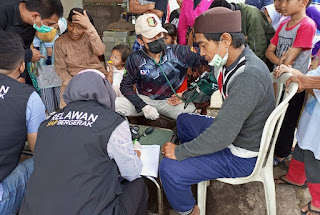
[[311, 165], [305, 167], [286, 134], [134, 199]]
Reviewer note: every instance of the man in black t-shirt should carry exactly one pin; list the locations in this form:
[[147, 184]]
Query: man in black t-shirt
[[25, 17], [8, 2]]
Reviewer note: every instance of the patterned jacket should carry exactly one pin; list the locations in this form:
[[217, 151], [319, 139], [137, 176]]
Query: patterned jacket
[[149, 77]]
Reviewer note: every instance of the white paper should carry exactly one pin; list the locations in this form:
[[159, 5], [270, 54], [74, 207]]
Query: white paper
[[150, 159]]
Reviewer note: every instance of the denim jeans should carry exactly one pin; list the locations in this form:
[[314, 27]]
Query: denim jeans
[[14, 186]]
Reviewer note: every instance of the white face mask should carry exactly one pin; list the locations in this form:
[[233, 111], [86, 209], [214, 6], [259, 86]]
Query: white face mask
[[217, 60]]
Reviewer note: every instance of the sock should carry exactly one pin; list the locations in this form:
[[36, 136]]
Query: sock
[[48, 61], [186, 212]]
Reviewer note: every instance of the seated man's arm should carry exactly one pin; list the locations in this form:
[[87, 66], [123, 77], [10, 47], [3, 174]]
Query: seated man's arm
[[161, 8], [131, 78], [136, 7], [237, 107], [35, 115], [157, 12], [120, 148]]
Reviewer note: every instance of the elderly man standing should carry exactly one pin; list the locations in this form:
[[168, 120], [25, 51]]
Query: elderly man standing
[[228, 145]]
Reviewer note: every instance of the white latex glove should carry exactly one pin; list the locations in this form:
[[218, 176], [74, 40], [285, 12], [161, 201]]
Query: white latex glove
[[150, 112], [137, 147]]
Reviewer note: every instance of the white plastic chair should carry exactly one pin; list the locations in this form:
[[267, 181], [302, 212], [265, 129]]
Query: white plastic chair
[[263, 170]]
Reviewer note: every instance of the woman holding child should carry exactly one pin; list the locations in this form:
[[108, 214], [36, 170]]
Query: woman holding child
[[78, 49]]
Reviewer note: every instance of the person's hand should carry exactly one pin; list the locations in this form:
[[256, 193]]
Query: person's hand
[[279, 70], [168, 150], [134, 2], [150, 112], [56, 26], [174, 100], [110, 66], [137, 148], [36, 55], [81, 19], [298, 79], [283, 56]]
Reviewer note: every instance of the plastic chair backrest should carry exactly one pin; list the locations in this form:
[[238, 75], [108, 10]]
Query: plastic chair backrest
[[274, 121]]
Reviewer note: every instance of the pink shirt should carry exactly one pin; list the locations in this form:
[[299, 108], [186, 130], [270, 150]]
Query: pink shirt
[[188, 16]]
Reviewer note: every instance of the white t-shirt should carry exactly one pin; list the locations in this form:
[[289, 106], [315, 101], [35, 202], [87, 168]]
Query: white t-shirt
[[308, 130], [117, 76]]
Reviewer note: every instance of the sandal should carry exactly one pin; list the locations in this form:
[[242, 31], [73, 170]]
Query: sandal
[[285, 182], [310, 210], [277, 162]]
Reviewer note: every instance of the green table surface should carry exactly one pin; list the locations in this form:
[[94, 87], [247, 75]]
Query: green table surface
[[159, 136]]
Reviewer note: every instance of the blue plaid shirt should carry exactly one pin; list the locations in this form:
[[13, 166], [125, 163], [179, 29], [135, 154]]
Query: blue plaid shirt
[[136, 45], [149, 77]]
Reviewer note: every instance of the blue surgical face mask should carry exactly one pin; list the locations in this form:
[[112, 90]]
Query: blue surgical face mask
[[43, 28]]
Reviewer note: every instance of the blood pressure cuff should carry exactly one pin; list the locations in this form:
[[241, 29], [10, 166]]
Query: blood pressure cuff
[[201, 90]]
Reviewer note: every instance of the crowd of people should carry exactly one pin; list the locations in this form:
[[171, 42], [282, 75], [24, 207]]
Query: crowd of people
[[84, 159]]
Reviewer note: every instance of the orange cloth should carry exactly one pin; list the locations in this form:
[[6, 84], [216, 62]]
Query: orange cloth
[[183, 87]]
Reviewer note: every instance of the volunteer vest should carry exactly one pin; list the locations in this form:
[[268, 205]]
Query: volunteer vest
[[73, 173], [14, 97]]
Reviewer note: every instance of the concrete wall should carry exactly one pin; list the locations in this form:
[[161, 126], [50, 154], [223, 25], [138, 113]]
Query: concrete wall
[[103, 15], [103, 12], [69, 4]]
